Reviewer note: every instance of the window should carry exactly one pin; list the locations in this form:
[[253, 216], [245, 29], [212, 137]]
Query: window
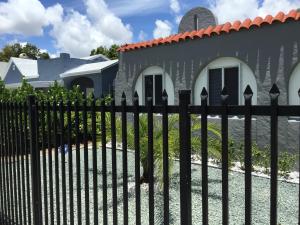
[[225, 71], [220, 77], [153, 88], [151, 82], [215, 86], [231, 81]]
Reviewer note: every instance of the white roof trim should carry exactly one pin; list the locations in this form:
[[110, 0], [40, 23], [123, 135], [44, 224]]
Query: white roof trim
[[89, 68]]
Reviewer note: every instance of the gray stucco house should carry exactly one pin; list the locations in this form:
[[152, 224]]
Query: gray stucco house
[[93, 74], [256, 52]]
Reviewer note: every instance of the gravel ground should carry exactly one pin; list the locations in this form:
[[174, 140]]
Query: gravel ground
[[287, 199]]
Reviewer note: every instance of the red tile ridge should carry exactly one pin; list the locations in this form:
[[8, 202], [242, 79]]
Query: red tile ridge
[[215, 30], [208, 31], [199, 33]]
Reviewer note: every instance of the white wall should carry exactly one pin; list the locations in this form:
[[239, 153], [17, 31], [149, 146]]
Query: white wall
[[167, 83], [246, 77], [294, 85]]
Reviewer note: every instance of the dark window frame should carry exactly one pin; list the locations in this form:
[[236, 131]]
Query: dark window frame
[[223, 78], [154, 86]]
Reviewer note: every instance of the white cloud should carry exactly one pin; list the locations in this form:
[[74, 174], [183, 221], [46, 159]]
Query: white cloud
[[25, 17], [142, 35], [72, 31], [79, 34], [243, 9], [175, 6], [163, 28]]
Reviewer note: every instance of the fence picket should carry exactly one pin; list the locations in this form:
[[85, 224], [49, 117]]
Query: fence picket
[[224, 127], [18, 149], [78, 177], [63, 161], [56, 161], [50, 171], [43, 128], [114, 160], [136, 122], [27, 165], [124, 161], [104, 172], [94, 149], [165, 127], [86, 164], [204, 157], [274, 94], [70, 154], [248, 155], [150, 159]]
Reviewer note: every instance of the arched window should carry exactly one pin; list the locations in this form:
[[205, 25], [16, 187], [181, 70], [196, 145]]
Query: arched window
[[294, 85], [229, 72], [151, 83]]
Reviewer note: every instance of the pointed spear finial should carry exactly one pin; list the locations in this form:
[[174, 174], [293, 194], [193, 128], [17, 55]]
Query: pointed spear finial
[[204, 94], [248, 93], [135, 96], [164, 95], [123, 95], [224, 94], [274, 92]]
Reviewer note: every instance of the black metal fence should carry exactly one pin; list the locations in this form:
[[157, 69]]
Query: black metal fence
[[31, 134]]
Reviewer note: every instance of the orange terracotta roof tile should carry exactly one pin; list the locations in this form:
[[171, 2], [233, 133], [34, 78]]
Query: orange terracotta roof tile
[[215, 30], [246, 24], [257, 21], [226, 27]]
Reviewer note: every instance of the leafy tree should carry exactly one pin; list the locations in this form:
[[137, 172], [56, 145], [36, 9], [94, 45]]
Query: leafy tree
[[14, 50], [110, 52]]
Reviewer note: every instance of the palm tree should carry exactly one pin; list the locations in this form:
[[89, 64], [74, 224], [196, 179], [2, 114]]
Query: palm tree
[[173, 137]]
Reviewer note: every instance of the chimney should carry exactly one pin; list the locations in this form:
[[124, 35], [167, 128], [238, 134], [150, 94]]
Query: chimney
[[64, 55], [196, 19]]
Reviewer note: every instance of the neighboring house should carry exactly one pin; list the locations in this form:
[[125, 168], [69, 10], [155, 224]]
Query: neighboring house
[[257, 52], [93, 74]]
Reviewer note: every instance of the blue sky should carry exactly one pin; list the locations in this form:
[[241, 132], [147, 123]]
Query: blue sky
[[77, 26]]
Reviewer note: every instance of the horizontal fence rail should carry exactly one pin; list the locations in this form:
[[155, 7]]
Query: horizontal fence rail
[[60, 162]]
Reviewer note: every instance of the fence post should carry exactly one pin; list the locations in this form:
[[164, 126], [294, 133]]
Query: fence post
[[35, 162], [274, 94], [185, 157]]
